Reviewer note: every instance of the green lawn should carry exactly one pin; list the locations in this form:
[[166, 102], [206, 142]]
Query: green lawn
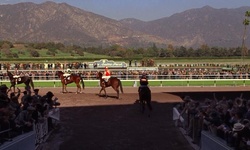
[[24, 53], [125, 83]]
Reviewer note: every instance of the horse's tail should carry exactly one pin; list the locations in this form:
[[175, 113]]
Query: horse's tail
[[32, 84], [83, 85], [121, 86]]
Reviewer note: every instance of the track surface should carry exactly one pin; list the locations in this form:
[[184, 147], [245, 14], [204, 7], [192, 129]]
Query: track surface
[[90, 122]]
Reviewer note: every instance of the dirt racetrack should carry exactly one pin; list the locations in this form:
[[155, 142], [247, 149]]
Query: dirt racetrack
[[90, 122]]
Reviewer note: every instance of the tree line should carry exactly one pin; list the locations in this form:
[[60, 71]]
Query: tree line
[[118, 51]]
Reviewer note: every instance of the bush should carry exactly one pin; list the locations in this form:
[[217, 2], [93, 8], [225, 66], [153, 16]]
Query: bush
[[34, 53]]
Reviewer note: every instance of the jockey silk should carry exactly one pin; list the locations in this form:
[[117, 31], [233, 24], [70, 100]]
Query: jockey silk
[[107, 73]]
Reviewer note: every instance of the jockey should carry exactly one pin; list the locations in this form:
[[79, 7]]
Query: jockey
[[143, 81], [67, 73], [106, 74], [144, 92], [16, 75]]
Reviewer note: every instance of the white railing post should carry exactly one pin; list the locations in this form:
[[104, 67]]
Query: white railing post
[[135, 84]]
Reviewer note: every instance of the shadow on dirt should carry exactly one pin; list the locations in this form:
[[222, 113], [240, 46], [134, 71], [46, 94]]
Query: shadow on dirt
[[119, 127]]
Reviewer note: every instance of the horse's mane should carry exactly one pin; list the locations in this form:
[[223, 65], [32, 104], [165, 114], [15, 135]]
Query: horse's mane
[[10, 74], [60, 72], [100, 73]]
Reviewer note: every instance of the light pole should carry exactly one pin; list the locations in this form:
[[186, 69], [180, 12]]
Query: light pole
[[246, 22]]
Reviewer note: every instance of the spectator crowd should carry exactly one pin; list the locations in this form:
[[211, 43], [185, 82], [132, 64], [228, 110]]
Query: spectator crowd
[[125, 74], [227, 118], [20, 111], [46, 71]]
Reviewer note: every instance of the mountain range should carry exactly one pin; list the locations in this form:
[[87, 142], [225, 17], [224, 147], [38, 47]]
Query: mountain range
[[60, 22]]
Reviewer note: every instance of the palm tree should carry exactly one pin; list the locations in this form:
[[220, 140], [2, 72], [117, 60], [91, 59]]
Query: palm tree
[[246, 22]]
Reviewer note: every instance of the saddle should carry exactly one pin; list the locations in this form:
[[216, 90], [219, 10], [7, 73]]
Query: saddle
[[106, 81], [67, 76], [16, 78]]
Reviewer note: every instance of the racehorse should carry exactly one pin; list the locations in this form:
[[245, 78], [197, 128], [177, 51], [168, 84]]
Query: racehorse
[[77, 78], [114, 82], [145, 98], [27, 80]]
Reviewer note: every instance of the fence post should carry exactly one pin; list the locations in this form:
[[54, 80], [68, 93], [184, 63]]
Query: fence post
[[214, 83], [244, 82], [54, 84], [135, 84], [188, 83], [161, 83]]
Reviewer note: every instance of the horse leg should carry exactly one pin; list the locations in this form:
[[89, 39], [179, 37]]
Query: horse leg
[[78, 88], [143, 99], [62, 87], [116, 88], [149, 100], [100, 92], [27, 88], [142, 102], [65, 87], [149, 105], [118, 92], [105, 93], [102, 89]]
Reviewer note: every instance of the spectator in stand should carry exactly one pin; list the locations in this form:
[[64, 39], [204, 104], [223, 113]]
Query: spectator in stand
[[12, 116], [4, 112], [241, 105], [14, 101], [27, 102], [4, 89], [239, 135], [36, 97], [213, 121], [49, 101], [24, 120], [185, 110], [193, 110], [38, 114], [247, 115], [49, 104], [24, 98]]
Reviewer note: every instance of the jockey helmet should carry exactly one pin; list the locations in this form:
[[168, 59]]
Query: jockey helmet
[[106, 67], [68, 70], [144, 75]]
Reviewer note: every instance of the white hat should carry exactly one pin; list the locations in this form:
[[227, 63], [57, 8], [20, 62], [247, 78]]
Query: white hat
[[238, 127]]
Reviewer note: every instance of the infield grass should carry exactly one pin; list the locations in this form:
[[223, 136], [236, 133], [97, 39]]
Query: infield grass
[[130, 83]]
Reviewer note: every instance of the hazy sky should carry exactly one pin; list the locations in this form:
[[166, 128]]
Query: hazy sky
[[145, 10]]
